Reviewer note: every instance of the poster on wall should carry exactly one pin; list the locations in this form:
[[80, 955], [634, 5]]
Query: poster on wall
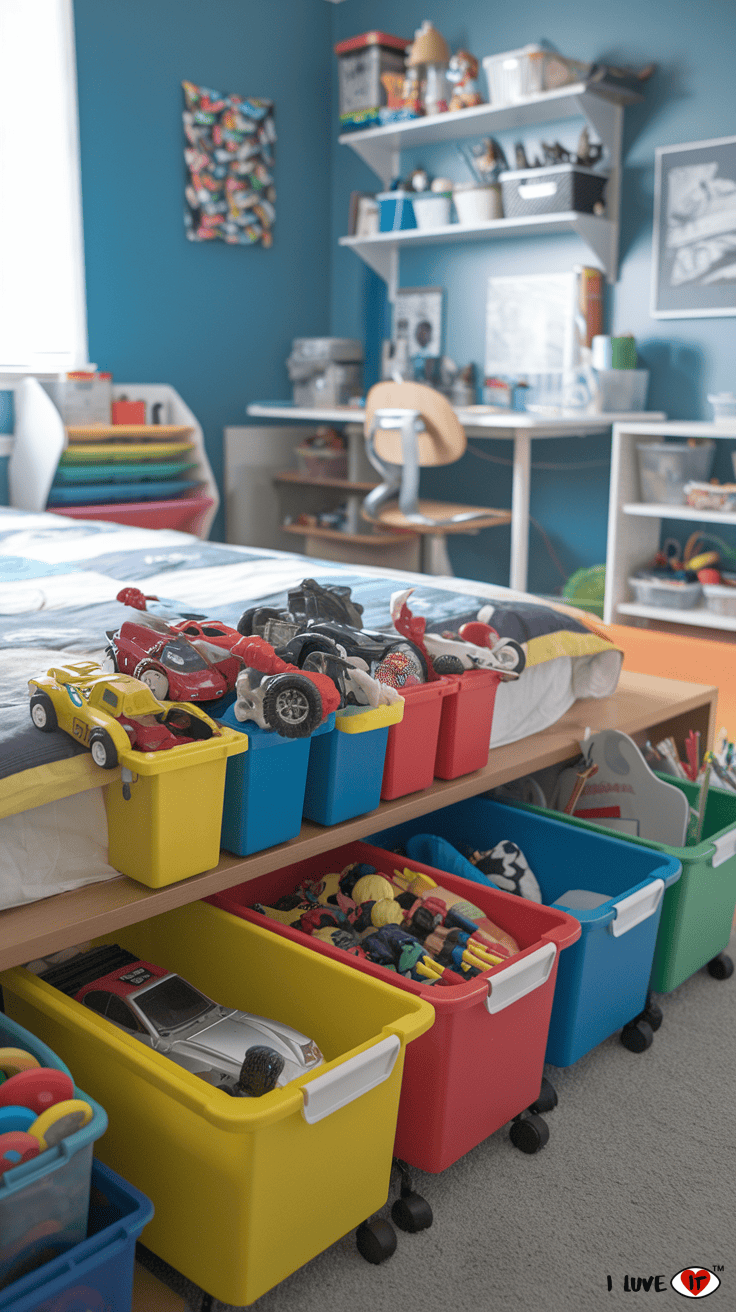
[[418, 320], [530, 325], [229, 193], [694, 251]]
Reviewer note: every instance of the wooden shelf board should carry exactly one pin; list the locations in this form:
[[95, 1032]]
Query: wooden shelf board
[[93, 432], [304, 480], [698, 616], [648, 510], [640, 702], [334, 535]]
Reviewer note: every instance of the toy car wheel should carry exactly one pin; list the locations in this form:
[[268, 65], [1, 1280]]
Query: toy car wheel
[[104, 752], [292, 705], [721, 967], [154, 678], [547, 1100], [245, 623], [448, 665], [412, 1213], [260, 1070], [416, 659], [637, 1036], [111, 660], [376, 1240], [509, 655], [43, 713], [529, 1134]]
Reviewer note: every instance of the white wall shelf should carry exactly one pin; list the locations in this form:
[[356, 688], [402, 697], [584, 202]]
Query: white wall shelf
[[634, 526], [381, 149]]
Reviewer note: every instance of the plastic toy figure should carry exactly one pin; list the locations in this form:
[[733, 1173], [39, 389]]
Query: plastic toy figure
[[310, 601], [462, 71], [454, 653], [110, 714], [242, 1054], [280, 696]]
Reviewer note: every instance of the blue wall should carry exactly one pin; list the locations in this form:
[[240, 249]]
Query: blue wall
[[691, 97], [215, 321]]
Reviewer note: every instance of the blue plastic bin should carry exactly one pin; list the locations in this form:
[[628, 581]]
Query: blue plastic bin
[[44, 1203], [346, 765], [264, 787], [95, 1275], [396, 211], [603, 979]]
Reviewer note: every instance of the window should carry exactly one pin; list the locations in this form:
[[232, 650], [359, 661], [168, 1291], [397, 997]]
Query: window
[[43, 326], [173, 1003], [120, 1014]]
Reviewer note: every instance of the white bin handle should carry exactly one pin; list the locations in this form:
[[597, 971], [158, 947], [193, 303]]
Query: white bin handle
[[520, 978], [725, 847], [631, 910], [335, 1089]]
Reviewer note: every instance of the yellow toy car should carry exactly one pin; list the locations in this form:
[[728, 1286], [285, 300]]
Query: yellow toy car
[[112, 713]]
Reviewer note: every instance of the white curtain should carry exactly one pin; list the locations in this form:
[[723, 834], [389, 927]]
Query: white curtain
[[43, 323]]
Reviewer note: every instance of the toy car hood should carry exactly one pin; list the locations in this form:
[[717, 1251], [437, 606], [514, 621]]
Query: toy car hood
[[226, 1041]]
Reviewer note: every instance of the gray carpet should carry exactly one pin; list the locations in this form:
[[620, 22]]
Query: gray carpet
[[637, 1179]]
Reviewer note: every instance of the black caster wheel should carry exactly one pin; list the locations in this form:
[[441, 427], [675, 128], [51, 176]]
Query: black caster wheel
[[529, 1134], [547, 1100], [637, 1036], [721, 967], [376, 1240], [653, 1015], [412, 1213]]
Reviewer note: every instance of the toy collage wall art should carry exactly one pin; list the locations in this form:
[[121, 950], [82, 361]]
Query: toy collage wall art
[[229, 192]]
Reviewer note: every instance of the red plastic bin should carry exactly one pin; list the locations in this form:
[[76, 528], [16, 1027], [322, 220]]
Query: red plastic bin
[[465, 728], [481, 1063], [412, 744], [186, 514]]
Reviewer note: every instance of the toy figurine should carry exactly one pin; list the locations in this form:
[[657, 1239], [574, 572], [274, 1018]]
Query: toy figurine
[[454, 653], [520, 155], [430, 55], [462, 71]]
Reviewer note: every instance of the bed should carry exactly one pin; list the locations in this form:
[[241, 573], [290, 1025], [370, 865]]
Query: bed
[[59, 579]]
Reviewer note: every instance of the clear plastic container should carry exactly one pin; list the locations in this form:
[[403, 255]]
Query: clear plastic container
[[665, 468], [666, 592], [724, 407], [514, 74], [720, 598]]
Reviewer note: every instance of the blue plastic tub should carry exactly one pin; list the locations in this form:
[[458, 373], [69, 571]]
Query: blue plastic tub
[[97, 1274], [396, 211], [346, 765], [264, 787], [603, 979], [44, 1203]]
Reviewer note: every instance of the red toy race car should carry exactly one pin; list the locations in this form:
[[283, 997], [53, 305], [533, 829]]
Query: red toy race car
[[172, 666]]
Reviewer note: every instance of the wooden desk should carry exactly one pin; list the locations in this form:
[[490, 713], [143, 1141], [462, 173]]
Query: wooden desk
[[641, 702]]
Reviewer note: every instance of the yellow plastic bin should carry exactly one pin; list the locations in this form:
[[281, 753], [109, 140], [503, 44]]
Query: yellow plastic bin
[[345, 771], [245, 1190], [169, 827]]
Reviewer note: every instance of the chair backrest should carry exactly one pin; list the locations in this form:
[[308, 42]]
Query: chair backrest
[[443, 440]]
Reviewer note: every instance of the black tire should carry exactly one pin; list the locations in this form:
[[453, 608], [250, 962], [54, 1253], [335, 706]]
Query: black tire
[[547, 1100], [637, 1036], [161, 680], [448, 665], [514, 658], [245, 623], [412, 1213], [376, 1240], [721, 967], [112, 656], [260, 1070], [653, 1015], [315, 644], [529, 1134], [292, 705], [104, 752], [43, 713]]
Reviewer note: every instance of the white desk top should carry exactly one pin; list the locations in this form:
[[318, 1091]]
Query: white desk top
[[498, 423]]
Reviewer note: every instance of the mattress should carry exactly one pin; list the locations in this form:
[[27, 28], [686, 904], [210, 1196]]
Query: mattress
[[59, 579]]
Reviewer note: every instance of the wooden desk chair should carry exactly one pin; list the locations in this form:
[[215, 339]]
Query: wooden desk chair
[[407, 427]]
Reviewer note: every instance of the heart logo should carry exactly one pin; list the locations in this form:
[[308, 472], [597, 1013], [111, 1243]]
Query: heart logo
[[696, 1282]]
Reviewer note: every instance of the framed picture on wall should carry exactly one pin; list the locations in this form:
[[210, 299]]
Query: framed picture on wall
[[694, 249]]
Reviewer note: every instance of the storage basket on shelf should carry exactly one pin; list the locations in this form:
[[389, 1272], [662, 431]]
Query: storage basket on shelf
[[245, 1190], [264, 787], [97, 1273], [44, 1203], [494, 1025], [556, 189], [412, 744], [345, 771], [698, 910], [602, 982], [322, 462], [169, 825]]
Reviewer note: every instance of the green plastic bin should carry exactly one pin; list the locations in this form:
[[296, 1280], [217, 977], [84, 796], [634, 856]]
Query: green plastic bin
[[697, 910]]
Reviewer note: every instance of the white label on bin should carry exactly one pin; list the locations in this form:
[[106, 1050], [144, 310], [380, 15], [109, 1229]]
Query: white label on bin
[[335, 1089], [725, 847], [533, 190], [520, 977], [631, 910]]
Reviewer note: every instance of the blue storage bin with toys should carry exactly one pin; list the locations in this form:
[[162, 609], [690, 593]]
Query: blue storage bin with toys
[[44, 1199], [612, 888], [346, 765], [264, 787], [95, 1275]]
